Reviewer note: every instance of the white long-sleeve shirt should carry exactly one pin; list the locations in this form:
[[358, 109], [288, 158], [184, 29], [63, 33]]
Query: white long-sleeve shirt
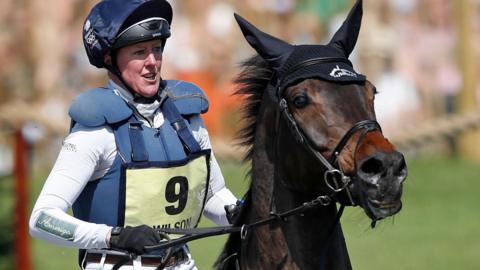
[[87, 155]]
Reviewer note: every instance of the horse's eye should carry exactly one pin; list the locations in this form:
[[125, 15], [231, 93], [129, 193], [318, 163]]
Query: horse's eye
[[301, 101]]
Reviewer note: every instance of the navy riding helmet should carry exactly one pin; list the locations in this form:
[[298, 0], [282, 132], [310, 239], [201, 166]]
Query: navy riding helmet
[[113, 24]]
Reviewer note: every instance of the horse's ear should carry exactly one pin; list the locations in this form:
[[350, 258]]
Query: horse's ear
[[270, 48], [346, 37]]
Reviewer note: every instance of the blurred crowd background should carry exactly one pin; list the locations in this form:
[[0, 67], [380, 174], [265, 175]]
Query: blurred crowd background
[[419, 53]]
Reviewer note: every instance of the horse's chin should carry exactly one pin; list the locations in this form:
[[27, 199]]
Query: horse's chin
[[374, 208], [377, 210]]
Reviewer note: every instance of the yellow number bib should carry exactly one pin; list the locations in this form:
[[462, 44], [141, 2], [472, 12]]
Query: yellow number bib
[[167, 197]]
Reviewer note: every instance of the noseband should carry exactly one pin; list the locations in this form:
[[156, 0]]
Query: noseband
[[335, 179]]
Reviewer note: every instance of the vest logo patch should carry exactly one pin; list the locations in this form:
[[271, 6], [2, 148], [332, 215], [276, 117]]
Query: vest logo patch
[[338, 72], [69, 147]]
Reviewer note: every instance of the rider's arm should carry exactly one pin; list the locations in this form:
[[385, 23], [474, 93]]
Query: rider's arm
[[218, 194], [86, 154]]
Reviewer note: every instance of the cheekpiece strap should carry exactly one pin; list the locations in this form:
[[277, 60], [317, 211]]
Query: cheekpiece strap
[[178, 123]]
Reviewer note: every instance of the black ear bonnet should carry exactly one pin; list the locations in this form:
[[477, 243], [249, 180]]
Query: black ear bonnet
[[292, 63]]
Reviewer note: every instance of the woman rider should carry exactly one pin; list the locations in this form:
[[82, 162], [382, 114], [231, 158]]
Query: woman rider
[[138, 155]]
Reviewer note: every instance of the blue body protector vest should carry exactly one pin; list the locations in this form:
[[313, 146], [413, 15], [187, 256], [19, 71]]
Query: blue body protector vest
[[160, 175]]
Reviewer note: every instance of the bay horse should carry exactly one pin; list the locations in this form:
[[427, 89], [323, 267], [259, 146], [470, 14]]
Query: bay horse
[[312, 137]]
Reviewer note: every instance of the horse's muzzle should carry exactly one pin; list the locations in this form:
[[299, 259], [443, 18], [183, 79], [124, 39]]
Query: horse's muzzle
[[380, 178]]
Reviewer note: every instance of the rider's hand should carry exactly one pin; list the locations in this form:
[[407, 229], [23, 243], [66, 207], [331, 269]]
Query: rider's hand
[[134, 239], [233, 211]]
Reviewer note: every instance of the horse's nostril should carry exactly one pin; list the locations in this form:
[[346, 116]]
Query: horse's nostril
[[401, 166], [401, 171], [372, 166]]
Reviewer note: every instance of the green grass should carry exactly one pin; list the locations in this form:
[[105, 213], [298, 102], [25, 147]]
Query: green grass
[[438, 228]]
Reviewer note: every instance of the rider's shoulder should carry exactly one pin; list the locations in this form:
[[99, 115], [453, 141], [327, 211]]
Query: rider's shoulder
[[188, 97], [98, 107]]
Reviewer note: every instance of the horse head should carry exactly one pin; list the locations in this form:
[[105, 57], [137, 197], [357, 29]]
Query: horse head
[[326, 108]]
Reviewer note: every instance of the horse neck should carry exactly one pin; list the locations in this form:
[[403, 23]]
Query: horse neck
[[300, 243], [315, 240]]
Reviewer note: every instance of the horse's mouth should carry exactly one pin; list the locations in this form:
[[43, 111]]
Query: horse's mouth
[[378, 210]]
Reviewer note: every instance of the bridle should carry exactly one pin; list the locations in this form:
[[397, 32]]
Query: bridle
[[334, 177]]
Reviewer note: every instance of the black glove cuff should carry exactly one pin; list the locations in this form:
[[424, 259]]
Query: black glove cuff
[[114, 233]]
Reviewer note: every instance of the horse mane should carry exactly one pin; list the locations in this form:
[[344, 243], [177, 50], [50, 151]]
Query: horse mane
[[252, 81]]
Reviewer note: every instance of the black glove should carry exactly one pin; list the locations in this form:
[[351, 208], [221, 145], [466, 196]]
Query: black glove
[[134, 239], [233, 211]]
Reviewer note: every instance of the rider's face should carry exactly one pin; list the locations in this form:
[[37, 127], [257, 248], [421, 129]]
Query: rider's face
[[140, 66]]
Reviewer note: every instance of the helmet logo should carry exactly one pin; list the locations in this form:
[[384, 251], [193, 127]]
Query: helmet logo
[[89, 37]]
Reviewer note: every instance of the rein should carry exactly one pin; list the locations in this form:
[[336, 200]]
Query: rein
[[198, 233]]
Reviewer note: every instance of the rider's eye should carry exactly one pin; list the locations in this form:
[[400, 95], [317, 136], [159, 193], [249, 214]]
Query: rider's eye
[[301, 101], [139, 52]]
